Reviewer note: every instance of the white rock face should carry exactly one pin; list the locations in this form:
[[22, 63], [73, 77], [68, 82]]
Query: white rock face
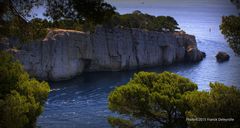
[[64, 54]]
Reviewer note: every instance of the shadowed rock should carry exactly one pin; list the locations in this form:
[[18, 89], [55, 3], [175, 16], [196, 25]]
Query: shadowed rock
[[222, 56]]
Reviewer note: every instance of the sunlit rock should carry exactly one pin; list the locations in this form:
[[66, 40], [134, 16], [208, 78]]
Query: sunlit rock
[[64, 54]]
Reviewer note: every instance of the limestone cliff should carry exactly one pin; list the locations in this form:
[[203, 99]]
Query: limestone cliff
[[64, 54]]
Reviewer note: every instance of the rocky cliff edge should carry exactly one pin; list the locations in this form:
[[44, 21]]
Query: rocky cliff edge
[[64, 54]]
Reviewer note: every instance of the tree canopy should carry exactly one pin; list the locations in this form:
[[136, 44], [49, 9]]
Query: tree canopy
[[21, 97], [143, 21], [18, 8], [96, 11], [91, 10], [167, 100], [220, 104], [151, 99], [14, 21], [14, 15], [230, 28], [72, 14]]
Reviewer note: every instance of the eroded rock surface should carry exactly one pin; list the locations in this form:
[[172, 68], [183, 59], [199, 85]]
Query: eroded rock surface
[[64, 54]]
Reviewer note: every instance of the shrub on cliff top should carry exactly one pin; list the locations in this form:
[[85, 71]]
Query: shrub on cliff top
[[143, 21], [35, 29], [21, 97]]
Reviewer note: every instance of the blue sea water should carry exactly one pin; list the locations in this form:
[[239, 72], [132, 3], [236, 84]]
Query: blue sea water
[[82, 101]]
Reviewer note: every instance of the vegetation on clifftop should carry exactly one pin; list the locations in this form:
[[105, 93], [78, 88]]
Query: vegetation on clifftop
[[21, 97], [82, 15], [143, 21]]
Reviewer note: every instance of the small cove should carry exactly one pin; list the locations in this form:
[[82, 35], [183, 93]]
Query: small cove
[[82, 102]]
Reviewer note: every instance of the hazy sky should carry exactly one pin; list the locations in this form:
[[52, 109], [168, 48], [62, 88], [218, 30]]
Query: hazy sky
[[173, 3], [124, 5]]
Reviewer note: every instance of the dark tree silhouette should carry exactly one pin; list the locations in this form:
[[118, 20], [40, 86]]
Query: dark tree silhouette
[[230, 28], [95, 11]]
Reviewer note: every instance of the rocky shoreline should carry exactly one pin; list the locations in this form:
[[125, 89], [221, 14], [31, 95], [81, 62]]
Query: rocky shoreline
[[64, 54]]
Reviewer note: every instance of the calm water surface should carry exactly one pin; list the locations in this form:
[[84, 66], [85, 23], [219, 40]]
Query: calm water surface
[[82, 101]]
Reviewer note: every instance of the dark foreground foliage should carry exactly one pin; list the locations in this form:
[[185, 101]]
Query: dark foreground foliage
[[230, 28], [14, 15], [167, 100], [21, 97], [220, 107]]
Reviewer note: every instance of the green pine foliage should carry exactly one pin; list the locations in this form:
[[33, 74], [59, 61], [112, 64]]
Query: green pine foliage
[[152, 99], [26, 32], [221, 102], [230, 28], [167, 100], [120, 123], [21, 97], [143, 21]]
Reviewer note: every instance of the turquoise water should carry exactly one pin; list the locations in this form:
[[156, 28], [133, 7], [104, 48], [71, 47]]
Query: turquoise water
[[82, 101]]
